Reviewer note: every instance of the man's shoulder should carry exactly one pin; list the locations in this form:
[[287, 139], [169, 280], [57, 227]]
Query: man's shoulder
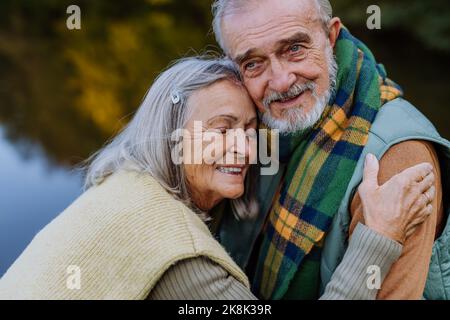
[[398, 121], [407, 154]]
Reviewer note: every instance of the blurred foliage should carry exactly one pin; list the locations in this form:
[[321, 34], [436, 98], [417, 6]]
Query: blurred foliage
[[66, 90], [69, 91], [428, 20]]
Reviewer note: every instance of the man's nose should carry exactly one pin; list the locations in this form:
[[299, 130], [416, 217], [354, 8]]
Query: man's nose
[[282, 79]]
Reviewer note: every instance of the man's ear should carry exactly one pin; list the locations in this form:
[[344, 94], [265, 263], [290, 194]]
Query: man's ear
[[334, 27]]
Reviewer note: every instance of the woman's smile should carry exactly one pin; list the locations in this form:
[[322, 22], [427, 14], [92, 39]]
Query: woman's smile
[[232, 174], [231, 170]]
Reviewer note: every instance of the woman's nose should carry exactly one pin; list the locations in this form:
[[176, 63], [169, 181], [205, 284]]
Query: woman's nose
[[244, 145]]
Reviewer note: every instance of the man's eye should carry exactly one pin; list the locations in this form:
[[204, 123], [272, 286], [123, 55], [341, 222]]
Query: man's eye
[[250, 66], [296, 48], [252, 69]]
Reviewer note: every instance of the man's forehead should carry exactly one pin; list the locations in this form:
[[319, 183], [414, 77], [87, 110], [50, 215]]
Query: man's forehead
[[296, 36], [268, 22]]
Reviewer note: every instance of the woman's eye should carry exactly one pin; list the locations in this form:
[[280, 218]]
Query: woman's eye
[[222, 130]]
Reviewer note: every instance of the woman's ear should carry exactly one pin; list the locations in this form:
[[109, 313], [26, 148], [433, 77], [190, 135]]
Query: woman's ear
[[335, 28]]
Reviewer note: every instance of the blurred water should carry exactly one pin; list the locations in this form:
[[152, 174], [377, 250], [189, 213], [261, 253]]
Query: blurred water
[[31, 195]]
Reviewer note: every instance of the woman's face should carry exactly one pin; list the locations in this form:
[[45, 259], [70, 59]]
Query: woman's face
[[223, 123]]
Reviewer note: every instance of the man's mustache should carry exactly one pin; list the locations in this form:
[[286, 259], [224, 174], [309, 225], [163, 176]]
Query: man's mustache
[[293, 92]]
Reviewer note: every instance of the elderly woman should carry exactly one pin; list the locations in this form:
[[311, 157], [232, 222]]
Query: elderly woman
[[140, 230]]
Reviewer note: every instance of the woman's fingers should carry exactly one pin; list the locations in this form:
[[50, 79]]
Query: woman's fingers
[[396, 208], [418, 172], [411, 231], [419, 219], [423, 199], [421, 196], [371, 168], [427, 182], [430, 194]]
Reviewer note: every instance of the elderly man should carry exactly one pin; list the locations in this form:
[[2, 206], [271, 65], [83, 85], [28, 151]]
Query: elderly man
[[333, 104]]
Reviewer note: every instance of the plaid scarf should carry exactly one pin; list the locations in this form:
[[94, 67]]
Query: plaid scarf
[[321, 164]]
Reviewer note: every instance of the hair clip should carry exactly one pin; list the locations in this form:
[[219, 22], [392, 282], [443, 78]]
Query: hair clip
[[175, 96]]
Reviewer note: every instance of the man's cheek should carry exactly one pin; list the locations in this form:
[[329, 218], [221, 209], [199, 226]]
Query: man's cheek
[[313, 68], [256, 92]]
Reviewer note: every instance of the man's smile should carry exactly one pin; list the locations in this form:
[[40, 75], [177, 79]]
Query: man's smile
[[288, 103]]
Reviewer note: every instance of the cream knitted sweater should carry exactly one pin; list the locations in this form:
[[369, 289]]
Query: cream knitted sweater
[[114, 242]]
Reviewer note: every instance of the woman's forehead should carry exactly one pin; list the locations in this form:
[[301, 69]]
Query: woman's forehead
[[220, 99]]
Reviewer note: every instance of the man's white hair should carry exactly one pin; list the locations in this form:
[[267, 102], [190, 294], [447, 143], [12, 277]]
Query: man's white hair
[[221, 8]]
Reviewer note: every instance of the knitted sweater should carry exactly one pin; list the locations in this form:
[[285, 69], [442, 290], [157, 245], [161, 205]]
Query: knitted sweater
[[114, 242]]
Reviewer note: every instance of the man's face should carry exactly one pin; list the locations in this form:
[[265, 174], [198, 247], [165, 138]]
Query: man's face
[[285, 58]]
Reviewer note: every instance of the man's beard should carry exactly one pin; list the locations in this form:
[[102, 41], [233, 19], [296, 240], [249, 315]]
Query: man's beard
[[296, 118]]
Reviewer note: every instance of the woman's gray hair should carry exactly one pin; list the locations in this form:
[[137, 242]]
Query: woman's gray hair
[[145, 144], [221, 8]]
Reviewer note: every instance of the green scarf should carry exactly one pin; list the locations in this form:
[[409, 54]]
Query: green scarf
[[321, 164]]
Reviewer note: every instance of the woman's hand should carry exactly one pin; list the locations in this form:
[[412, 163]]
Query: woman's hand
[[399, 206]]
